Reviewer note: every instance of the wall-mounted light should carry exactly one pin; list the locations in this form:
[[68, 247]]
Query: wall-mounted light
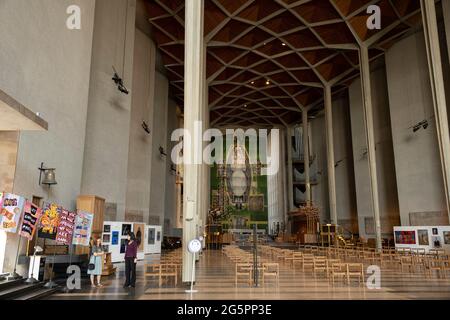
[[162, 153], [145, 127], [119, 82], [49, 177], [423, 124], [337, 163]]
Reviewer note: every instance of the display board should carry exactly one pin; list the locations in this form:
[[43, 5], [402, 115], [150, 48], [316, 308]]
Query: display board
[[83, 229], [153, 239], [11, 212], [48, 225], [115, 238], [31, 216], [426, 237]]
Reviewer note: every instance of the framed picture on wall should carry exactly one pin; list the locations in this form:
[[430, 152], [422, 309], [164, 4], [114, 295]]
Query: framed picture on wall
[[126, 229], [115, 238], [106, 228], [446, 237], [158, 236], [106, 238], [405, 237], [123, 245], [151, 236], [423, 237]]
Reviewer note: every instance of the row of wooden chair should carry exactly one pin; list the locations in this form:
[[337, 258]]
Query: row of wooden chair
[[167, 267]]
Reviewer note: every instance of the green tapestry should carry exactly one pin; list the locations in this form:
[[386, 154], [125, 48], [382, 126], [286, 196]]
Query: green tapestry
[[239, 190]]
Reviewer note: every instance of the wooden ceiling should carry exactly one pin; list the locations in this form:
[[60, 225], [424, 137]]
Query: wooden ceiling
[[269, 59]]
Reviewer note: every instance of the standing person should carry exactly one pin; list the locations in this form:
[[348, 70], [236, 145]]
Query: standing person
[[130, 261], [96, 261]]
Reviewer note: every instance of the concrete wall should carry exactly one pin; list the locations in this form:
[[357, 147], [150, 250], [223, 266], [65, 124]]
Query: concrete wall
[[108, 123], [417, 160], [387, 184], [170, 190], [319, 192], [140, 143], [46, 66], [160, 164], [345, 182]]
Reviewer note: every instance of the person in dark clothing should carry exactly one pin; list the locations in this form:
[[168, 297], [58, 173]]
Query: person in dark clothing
[[130, 261]]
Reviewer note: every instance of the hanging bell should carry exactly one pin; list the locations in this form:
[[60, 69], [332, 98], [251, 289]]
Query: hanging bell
[[49, 177]]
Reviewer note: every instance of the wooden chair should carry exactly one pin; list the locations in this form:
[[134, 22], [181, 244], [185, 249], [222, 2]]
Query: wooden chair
[[407, 262], [433, 264], [307, 262], [152, 270], [338, 270], [271, 270], [320, 266], [243, 270], [296, 258], [355, 270], [168, 271], [330, 263]]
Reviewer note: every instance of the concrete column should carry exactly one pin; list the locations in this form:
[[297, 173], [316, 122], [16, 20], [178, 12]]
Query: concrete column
[[330, 155], [193, 112], [306, 153], [437, 89], [370, 135], [290, 171], [446, 13]]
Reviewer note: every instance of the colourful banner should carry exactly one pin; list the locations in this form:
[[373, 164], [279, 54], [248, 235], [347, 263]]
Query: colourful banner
[[48, 226], [65, 227], [11, 212], [83, 229], [31, 215]]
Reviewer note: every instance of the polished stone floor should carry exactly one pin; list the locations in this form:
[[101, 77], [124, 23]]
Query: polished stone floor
[[215, 281]]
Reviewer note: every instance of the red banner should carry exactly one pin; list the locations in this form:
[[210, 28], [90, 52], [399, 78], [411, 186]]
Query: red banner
[[31, 215], [65, 227]]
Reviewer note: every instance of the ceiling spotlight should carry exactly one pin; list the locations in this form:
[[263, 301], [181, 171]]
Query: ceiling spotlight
[[267, 82], [119, 82], [283, 44], [245, 105], [252, 83]]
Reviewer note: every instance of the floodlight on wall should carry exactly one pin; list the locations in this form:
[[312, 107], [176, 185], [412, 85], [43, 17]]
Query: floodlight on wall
[[162, 153], [47, 175], [119, 82], [145, 127], [423, 124]]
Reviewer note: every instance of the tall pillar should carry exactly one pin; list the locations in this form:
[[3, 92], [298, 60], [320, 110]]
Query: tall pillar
[[370, 136], [446, 14], [289, 179], [306, 153], [290, 170], [330, 155], [193, 112], [438, 90]]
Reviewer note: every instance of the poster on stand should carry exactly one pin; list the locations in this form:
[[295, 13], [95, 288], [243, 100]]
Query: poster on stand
[[65, 227], [83, 228], [11, 212], [48, 226], [139, 232], [31, 215], [1, 206]]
